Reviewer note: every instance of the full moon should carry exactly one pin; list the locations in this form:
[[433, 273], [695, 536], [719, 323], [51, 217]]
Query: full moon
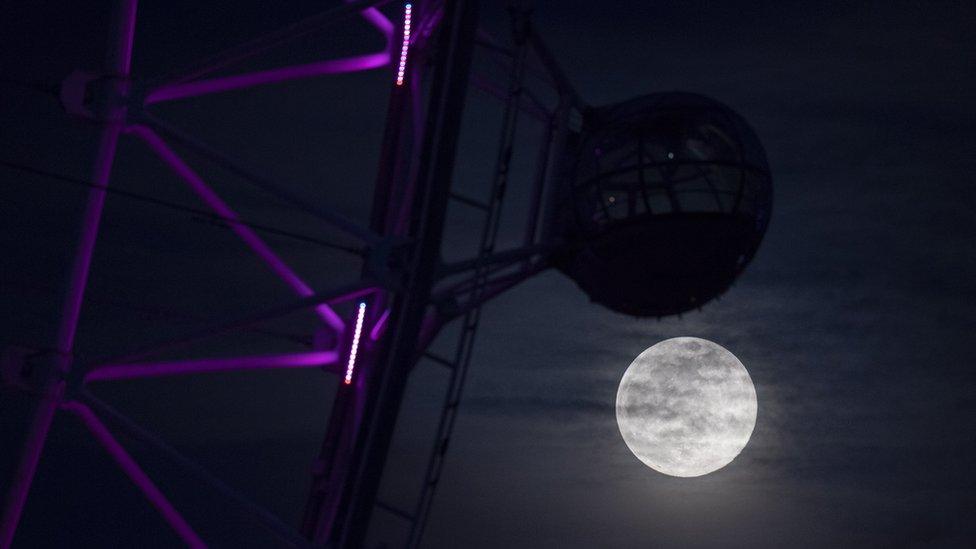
[[686, 407]]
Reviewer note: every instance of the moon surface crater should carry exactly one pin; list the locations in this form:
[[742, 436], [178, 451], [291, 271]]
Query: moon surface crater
[[686, 407]]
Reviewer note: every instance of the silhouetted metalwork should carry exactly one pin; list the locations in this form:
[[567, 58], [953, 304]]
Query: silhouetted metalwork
[[671, 197], [653, 206]]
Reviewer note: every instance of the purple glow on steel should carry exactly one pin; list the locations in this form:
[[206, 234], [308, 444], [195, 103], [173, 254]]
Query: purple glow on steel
[[355, 295], [135, 473], [354, 349], [113, 372], [118, 62], [182, 89], [405, 46], [30, 456], [378, 20], [239, 81], [244, 232], [380, 325]]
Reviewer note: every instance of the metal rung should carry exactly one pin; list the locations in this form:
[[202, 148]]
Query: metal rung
[[491, 46], [470, 201], [393, 510], [439, 359]]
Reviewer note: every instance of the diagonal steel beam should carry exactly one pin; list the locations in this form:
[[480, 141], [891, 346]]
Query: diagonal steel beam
[[341, 293], [135, 473], [138, 370], [366, 8], [260, 248], [137, 432], [265, 183]]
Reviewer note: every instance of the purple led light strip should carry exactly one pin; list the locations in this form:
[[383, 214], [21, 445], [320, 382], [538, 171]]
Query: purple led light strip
[[405, 46], [354, 349]]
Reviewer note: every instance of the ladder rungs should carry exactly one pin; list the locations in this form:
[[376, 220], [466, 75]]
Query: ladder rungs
[[469, 201], [393, 510], [439, 359]]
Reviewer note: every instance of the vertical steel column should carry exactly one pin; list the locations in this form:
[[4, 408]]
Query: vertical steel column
[[331, 470], [117, 64], [538, 185], [555, 198], [383, 382], [469, 324]]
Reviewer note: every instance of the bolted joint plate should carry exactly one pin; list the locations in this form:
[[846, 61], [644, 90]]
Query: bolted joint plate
[[97, 97], [27, 369], [388, 262]]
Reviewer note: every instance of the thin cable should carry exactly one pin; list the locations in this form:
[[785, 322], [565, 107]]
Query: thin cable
[[181, 208], [155, 312], [305, 27], [46, 88]]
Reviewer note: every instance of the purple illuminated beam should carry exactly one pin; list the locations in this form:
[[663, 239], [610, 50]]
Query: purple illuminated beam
[[182, 90], [112, 372], [243, 231], [376, 18], [135, 473], [272, 76], [347, 292], [380, 326], [118, 61]]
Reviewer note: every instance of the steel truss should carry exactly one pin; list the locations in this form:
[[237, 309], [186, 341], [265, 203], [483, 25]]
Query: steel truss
[[406, 292]]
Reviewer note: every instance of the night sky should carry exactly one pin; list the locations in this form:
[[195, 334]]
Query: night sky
[[855, 320]]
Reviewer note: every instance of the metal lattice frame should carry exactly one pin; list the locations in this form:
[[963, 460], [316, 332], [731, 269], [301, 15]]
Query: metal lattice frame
[[404, 295]]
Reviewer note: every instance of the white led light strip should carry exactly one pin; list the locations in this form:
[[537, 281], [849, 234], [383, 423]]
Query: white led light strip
[[355, 343], [406, 44]]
